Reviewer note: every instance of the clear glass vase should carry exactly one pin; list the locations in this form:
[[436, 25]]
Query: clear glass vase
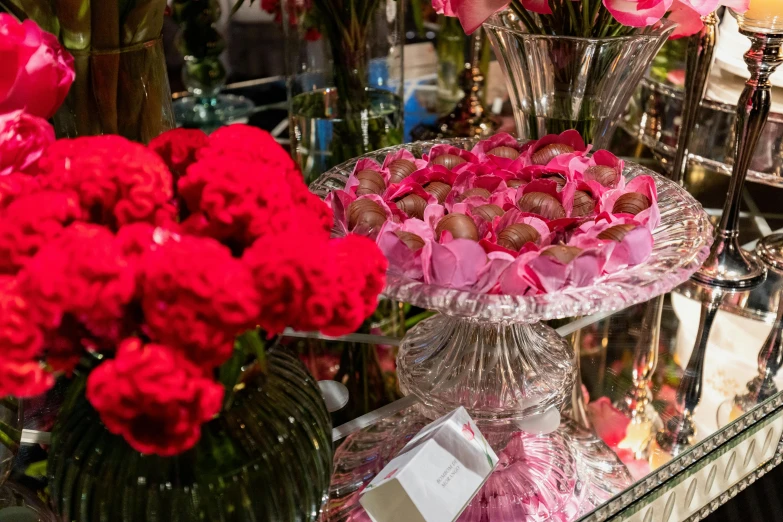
[[121, 91], [558, 83], [345, 79], [267, 457]]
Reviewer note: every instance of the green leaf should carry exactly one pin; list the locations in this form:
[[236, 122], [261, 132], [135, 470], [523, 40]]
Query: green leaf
[[36, 470]]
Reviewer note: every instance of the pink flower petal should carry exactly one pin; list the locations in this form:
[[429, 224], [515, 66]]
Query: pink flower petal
[[687, 19], [537, 6], [628, 12], [609, 422], [472, 13]]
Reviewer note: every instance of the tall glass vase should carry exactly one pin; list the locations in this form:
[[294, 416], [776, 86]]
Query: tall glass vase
[[266, 457], [121, 91], [558, 83], [345, 79]]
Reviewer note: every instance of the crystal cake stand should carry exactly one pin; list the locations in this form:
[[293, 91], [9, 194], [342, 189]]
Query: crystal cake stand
[[493, 355]]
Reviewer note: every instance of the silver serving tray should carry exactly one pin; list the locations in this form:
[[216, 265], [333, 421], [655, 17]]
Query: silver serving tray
[[653, 116]]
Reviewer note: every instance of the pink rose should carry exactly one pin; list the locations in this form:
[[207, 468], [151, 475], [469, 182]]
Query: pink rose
[[705, 7], [37, 72], [23, 138], [638, 13], [443, 7], [687, 19], [471, 13], [537, 6]]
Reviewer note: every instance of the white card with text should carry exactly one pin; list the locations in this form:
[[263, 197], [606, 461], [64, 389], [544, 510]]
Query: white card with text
[[435, 476]]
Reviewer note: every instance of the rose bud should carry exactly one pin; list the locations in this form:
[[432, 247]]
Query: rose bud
[[550, 152], [459, 226], [413, 205], [400, 169], [515, 236], [367, 213], [542, 204], [631, 203]]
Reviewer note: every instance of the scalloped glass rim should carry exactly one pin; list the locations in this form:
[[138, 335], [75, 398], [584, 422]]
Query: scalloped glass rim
[[682, 242]]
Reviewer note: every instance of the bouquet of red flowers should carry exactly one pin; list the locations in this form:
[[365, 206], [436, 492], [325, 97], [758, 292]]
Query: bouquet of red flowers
[[148, 269]]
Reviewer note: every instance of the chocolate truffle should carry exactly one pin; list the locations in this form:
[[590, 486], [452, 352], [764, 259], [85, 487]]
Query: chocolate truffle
[[557, 178], [515, 183], [515, 236], [504, 152], [413, 205], [480, 192], [564, 254], [616, 233], [459, 226], [365, 213], [411, 240], [488, 212], [448, 160], [438, 189], [631, 203], [400, 169], [584, 204], [370, 182], [542, 204], [604, 175], [546, 154]]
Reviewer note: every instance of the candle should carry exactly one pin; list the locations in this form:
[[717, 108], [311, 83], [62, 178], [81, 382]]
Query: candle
[[763, 15]]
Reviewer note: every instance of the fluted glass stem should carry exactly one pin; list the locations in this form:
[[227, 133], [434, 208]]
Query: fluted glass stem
[[728, 264], [699, 59]]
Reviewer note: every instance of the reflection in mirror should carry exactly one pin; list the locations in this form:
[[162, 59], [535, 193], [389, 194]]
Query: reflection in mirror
[[680, 431], [637, 403], [761, 387]]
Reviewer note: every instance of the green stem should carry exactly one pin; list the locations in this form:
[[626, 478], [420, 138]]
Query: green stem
[[10, 437]]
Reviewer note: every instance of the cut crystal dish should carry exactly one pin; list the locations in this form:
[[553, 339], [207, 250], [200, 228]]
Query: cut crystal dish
[[491, 353]]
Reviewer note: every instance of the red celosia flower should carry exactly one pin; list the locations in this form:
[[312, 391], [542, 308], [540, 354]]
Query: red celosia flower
[[236, 208], [16, 184], [118, 181], [196, 298], [20, 337], [153, 398], [330, 292], [82, 273], [24, 379], [294, 282], [370, 273], [178, 148], [251, 144], [32, 221], [21, 341]]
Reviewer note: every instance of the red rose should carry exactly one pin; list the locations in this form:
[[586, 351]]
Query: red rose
[[178, 148], [23, 138], [118, 181], [31, 222], [37, 72], [197, 298], [82, 273], [155, 399]]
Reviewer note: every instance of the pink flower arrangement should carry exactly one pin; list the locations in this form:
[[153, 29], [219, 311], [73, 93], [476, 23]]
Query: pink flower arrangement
[[34, 80], [502, 218], [603, 17]]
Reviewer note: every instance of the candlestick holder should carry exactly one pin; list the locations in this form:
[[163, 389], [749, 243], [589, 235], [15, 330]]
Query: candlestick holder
[[699, 58], [728, 265], [637, 403], [679, 434], [770, 356]]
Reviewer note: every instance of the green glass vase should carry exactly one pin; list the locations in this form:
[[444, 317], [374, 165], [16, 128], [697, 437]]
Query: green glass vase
[[267, 457]]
